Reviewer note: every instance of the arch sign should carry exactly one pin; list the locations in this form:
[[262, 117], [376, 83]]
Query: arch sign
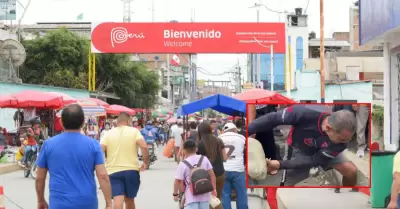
[[112, 37]]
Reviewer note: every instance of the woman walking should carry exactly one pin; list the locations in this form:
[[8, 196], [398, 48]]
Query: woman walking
[[213, 148]]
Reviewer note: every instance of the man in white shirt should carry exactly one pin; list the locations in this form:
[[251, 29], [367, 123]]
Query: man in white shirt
[[234, 167], [176, 133]]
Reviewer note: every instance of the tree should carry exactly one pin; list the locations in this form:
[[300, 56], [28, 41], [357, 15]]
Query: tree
[[210, 113], [60, 58]]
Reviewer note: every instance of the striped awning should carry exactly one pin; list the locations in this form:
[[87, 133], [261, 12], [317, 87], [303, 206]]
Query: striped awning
[[90, 109]]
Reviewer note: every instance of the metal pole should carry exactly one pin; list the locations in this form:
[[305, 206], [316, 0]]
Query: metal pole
[[322, 50], [153, 8], [287, 71], [272, 68], [256, 72], [168, 79]]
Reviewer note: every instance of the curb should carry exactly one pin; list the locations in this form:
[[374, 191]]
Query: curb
[[9, 168], [281, 204]]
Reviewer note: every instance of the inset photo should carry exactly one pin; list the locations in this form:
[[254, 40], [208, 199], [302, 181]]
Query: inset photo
[[309, 145]]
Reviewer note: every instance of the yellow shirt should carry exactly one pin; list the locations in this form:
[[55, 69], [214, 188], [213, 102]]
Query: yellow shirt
[[122, 150], [396, 162]]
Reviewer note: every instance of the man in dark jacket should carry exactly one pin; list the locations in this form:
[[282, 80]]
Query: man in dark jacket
[[316, 139]]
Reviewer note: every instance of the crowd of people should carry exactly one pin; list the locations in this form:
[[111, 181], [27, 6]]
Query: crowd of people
[[223, 147], [211, 150], [211, 156]]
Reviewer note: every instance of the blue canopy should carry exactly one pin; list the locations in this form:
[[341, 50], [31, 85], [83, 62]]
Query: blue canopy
[[218, 102]]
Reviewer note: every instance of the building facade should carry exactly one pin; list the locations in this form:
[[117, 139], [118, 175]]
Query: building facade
[[380, 24], [308, 88], [352, 66], [297, 51]]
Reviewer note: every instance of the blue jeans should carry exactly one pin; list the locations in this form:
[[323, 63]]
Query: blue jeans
[[398, 202], [237, 182], [198, 205], [27, 152]]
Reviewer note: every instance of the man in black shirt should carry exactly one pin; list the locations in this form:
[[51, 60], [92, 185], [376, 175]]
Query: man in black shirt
[[316, 139]]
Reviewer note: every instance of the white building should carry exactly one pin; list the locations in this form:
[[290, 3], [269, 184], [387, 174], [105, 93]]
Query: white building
[[380, 23]]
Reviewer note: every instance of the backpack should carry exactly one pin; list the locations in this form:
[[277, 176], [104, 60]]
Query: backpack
[[200, 180], [148, 136]]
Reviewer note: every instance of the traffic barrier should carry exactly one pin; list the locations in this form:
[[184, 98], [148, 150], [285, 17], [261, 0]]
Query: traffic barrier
[[2, 203]]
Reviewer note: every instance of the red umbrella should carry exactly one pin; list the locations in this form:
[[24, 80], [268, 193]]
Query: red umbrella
[[262, 96], [117, 109], [98, 102], [67, 99], [7, 101], [30, 98], [138, 110]]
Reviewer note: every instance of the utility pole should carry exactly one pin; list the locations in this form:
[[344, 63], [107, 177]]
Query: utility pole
[[169, 82], [272, 68], [258, 55], [240, 77], [322, 50]]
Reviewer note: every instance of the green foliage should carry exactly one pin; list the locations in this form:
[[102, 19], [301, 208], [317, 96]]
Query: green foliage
[[378, 115], [60, 58], [211, 113]]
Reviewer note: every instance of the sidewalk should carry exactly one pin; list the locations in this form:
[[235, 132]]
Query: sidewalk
[[322, 198], [8, 168]]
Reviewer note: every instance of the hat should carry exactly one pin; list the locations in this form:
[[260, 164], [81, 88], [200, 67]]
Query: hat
[[229, 126], [149, 123]]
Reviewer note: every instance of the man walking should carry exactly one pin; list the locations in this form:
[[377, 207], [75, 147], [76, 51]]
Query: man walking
[[71, 160], [120, 146], [362, 115], [176, 133], [234, 168]]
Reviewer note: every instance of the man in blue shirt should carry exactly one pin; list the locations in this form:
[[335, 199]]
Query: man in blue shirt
[[71, 159]]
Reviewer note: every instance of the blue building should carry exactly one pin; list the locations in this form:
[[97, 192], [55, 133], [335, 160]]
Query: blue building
[[297, 47]]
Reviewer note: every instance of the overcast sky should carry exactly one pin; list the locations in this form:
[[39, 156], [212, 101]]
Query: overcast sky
[[336, 17]]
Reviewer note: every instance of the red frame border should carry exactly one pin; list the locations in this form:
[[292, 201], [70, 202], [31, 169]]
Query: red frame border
[[313, 103]]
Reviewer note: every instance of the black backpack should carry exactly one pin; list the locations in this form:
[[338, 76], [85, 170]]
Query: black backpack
[[200, 180]]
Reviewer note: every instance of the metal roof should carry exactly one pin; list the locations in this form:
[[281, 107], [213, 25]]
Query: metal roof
[[328, 42]]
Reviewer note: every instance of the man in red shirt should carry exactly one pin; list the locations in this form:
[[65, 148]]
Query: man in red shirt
[[34, 135]]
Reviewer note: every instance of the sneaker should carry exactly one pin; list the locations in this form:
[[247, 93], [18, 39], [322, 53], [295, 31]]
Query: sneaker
[[337, 190], [360, 153], [23, 165]]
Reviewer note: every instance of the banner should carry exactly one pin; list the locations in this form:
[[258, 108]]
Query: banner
[[188, 37]]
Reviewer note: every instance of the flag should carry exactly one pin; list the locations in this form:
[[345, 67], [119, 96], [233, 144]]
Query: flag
[[175, 60], [79, 17]]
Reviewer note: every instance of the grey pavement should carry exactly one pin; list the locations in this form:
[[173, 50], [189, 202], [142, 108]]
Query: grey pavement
[[323, 198], [155, 190]]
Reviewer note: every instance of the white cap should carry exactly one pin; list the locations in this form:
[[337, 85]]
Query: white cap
[[229, 126]]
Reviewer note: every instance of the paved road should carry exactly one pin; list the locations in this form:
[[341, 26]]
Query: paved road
[[155, 191]]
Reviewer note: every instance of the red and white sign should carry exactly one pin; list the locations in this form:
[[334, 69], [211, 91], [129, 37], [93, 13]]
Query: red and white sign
[[188, 37], [175, 60]]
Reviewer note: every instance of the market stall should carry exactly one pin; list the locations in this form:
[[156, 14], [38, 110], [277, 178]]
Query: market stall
[[261, 96], [117, 109], [95, 116]]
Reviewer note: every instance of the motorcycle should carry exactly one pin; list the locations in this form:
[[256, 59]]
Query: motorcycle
[[30, 168], [152, 154]]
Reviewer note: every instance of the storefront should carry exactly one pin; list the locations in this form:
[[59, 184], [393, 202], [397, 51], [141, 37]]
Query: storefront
[[379, 23]]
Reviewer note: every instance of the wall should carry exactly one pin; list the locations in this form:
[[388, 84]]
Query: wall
[[367, 64], [298, 40], [308, 88], [341, 36], [340, 64], [6, 115]]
